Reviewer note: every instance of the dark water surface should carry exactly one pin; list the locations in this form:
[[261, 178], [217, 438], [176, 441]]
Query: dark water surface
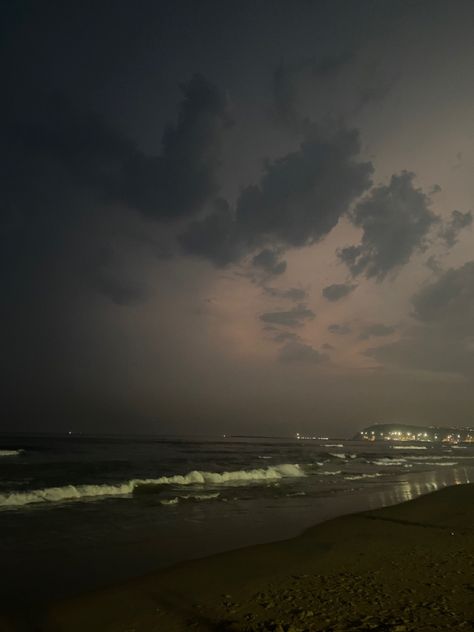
[[77, 513]]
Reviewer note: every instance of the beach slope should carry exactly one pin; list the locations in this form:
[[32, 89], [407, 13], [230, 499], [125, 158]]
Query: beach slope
[[405, 567]]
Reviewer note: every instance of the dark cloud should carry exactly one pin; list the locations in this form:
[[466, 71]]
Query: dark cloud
[[377, 330], [298, 352], [336, 85], [286, 80], [450, 231], [395, 220], [291, 318], [433, 264], [327, 346], [443, 338], [69, 175], [300, 197], [296, 294], [285, 336], [50, 146], [449, 301], [213, 237], [269, 261], [336, 291], [183, 178], [428, 349], [298, 201], [339, 329]]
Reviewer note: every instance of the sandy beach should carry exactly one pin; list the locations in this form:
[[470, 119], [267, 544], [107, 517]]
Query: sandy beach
[[405, 567]]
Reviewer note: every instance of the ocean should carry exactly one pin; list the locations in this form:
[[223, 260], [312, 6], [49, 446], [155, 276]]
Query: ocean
[[81, 512]]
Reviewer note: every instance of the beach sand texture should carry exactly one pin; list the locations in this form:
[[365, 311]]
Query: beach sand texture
[[401, 568]]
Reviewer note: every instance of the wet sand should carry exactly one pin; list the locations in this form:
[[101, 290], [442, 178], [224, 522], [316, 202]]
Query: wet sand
[[405, 567]]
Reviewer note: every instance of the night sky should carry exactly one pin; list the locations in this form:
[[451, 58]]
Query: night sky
[[236, 217]]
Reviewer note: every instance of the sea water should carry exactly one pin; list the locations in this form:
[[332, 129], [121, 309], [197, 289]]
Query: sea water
[[79, 512]]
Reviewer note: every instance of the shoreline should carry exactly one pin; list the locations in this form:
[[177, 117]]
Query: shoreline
[[404, 567], [68, 565]]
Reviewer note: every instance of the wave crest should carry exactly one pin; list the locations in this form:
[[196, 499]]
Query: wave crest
[[80, 492], [11, 452]]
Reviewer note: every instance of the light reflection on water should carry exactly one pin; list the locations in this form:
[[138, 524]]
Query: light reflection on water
[[425, 483]]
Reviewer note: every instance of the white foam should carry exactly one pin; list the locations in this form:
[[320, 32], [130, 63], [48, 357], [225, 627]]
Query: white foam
[[435, 458], [387, 461], [10, 452], [409, 447], [65, 493], [80, 492], [434, 463], [330, 473], [338, 455], [202, 496], [196, 497], [332, 445], [356, 477], [169, 501]]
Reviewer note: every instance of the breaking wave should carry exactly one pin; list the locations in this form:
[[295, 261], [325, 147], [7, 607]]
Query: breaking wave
[[356, 477], [448, 463], [409, 447], [80, 492], [428, 459], [342, 455], [10, 452], [189, 497], [388, 461]]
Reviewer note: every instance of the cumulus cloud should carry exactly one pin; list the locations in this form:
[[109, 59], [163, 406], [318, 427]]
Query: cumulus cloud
[[395, 220], [376, 330], [450, 231], [297, 202], [336, 291], [295, 352], [291, 318], [339, 329]]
